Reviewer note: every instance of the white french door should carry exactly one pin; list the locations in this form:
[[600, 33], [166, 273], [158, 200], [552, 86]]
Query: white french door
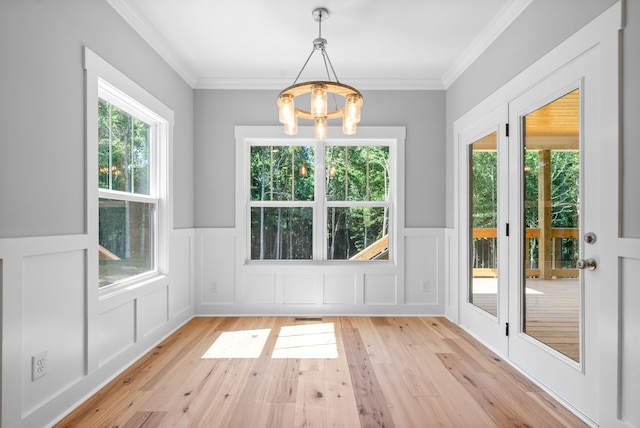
[[483, 243], [554, 213], [528, 201]]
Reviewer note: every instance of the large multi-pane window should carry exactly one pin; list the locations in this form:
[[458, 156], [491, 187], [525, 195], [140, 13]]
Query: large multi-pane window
[[127, 191], [320, 201]]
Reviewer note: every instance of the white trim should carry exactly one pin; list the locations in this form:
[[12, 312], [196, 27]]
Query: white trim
[[150, 34], [360, 83], [629, 248], [126, 196], [500, 22]]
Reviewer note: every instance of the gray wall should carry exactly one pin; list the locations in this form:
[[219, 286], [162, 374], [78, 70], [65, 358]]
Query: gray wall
[[540, 28], [44, 271], [630, 122], [42, 165], [218, 111]]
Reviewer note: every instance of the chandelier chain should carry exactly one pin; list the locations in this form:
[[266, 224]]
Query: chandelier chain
[[304, 65], [325, 57]]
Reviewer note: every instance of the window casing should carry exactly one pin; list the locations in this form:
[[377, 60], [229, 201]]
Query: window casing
[[128, 167], [321, 201]]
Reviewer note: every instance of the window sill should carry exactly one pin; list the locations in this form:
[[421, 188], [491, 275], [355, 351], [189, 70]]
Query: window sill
[[318, 263], [136, 286]]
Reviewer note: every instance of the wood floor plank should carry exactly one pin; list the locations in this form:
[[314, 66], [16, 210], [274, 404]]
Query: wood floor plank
[[402, 403], [412, 372], [374, 342], [144, 420], [372, 406], [388, 371], [342, 408], [445, 413]]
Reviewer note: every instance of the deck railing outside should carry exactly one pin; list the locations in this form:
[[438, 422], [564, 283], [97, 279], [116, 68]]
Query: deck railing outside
[[563, 255]]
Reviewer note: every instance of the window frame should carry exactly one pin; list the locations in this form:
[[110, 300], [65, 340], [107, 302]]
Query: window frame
[[103, 81], [248, 136]]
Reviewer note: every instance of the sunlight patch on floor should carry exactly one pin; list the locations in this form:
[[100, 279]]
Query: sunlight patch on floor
[[306, 341], [238, 344]]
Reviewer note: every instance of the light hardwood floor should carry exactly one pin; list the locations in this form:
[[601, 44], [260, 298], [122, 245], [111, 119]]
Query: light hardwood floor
[[330, 372]]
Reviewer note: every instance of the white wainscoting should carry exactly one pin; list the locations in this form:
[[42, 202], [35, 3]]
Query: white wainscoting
[[629, 255], [228, 286], [451, 274], [47, 306]]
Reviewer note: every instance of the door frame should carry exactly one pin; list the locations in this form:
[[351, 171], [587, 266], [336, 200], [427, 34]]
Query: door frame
[[603, 32]]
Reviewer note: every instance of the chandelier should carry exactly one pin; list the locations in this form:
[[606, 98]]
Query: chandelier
[[319, 91]]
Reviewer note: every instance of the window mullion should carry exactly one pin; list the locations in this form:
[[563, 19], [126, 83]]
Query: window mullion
[[320, 211], [131, 158], [110, 172]]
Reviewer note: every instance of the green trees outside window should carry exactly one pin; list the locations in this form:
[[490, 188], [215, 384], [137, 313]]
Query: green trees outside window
[[346, 206], [565, 190], [126, 226], [565, 193]]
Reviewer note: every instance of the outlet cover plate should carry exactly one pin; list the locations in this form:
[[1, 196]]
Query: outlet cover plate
[[38, 365]]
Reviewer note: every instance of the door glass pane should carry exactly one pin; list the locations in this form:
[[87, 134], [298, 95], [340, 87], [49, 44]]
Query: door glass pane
[[551, 285], [483, 219]]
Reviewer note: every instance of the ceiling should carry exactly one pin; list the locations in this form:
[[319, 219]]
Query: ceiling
[[372, 44]]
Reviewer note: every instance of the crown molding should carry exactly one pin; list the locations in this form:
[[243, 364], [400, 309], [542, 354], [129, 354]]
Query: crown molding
[[136, 20], [496, 26], [362, 84]]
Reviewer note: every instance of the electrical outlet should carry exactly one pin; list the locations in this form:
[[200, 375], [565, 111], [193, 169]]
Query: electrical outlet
[[38, 365], [214, 287], [424, 286]]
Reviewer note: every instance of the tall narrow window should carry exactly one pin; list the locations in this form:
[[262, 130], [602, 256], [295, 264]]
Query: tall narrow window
[[128, 155], [127, 197]]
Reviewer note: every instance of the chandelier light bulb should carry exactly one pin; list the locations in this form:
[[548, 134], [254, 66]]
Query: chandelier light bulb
[[348, 126], [291, 127], [352, 108], [287, 108], [318, 101], [320, 128]]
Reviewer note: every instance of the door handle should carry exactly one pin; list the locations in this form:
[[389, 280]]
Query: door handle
[[586, 264]]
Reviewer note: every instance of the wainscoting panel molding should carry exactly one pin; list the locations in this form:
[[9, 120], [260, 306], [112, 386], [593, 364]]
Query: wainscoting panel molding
[[630, 330], [48, 306], [414, 284]]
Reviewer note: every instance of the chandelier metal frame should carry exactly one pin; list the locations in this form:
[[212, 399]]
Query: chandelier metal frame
[[319, 89]]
